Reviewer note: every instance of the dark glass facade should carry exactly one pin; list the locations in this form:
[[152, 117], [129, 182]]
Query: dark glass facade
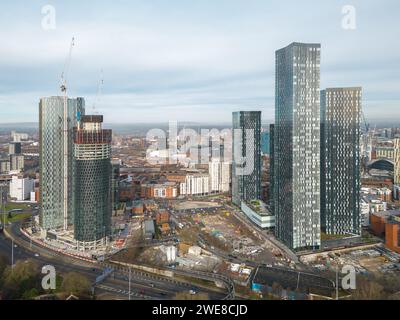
[[246, 152], [93, 199], [115, 183], [51, 160], [340, 160], [297, 146], [271, 167], [265, 145]]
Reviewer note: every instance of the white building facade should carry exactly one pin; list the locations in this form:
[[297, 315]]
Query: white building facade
[[21, 188], [195, 185], [219, 176]]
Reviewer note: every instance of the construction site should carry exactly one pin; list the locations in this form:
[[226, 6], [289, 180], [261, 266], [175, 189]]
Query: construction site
[[367, 260], [218, 229]]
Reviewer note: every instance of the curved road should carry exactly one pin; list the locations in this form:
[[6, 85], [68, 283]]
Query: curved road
[[116, 285]]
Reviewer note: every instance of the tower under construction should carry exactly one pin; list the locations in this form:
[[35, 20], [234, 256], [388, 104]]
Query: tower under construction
[[92, 187]]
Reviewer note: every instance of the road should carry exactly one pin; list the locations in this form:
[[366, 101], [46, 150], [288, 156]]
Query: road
[[142, 287], [161, 288]]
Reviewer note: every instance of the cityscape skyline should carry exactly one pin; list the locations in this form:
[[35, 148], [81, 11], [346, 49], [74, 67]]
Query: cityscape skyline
[[241, 157], [211, 63]]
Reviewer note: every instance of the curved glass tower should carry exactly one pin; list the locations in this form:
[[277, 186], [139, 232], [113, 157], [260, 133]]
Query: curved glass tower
[[53, 161], [92, 153]]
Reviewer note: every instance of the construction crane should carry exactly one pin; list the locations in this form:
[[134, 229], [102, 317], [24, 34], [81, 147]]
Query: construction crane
[[64, 87], [99, 91], [67, 64]]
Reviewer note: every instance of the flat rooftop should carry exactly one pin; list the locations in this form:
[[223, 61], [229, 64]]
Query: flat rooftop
[[259, 207], [386, 214]]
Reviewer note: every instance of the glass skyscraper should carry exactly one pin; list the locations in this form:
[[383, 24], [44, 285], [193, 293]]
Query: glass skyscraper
[[271, 167], [265, 146], [51, 162], [340, 160], [92, 187], [396, 161], [246, 154], [297, 146], [115, 171]]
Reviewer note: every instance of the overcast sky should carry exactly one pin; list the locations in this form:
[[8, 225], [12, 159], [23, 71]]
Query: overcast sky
[[191, 60]]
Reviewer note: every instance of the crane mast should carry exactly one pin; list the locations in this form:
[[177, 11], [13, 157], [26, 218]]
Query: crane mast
[[65, 135], [99, 91]]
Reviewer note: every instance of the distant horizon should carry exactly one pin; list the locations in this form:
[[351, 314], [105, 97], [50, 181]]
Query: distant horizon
[[31, 124]]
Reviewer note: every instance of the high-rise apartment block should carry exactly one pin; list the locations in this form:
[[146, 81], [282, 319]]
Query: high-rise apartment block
[[246, 156], [21, 188], [5, 166], [195, 184], [92, 183], [397, 161], [115, 168], [271, 166], [219, 175], [14, 148], [17, 162], [56, 160], [265, 140], [297, 146], [340, 160]]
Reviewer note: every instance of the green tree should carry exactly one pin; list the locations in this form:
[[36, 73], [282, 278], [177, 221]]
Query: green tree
[[30, 294], [3, 265], [76, 284], [19, 282]]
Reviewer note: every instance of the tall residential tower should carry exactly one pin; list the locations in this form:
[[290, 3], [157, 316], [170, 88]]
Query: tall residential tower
[[246, 154], [52, 162], [340, 160], [92, 187], [271, 167], [297, 146]]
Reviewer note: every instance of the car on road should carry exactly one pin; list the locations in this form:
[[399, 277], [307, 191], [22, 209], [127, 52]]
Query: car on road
[[37, 255]]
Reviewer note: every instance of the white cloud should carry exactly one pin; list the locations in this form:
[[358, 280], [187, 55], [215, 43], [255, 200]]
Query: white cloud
[[174, 58]]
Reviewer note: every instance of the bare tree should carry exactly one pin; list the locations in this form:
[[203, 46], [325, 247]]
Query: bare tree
[[368, 289]]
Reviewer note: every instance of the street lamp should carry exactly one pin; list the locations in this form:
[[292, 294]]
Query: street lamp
[[336, 276], [129, 285]]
